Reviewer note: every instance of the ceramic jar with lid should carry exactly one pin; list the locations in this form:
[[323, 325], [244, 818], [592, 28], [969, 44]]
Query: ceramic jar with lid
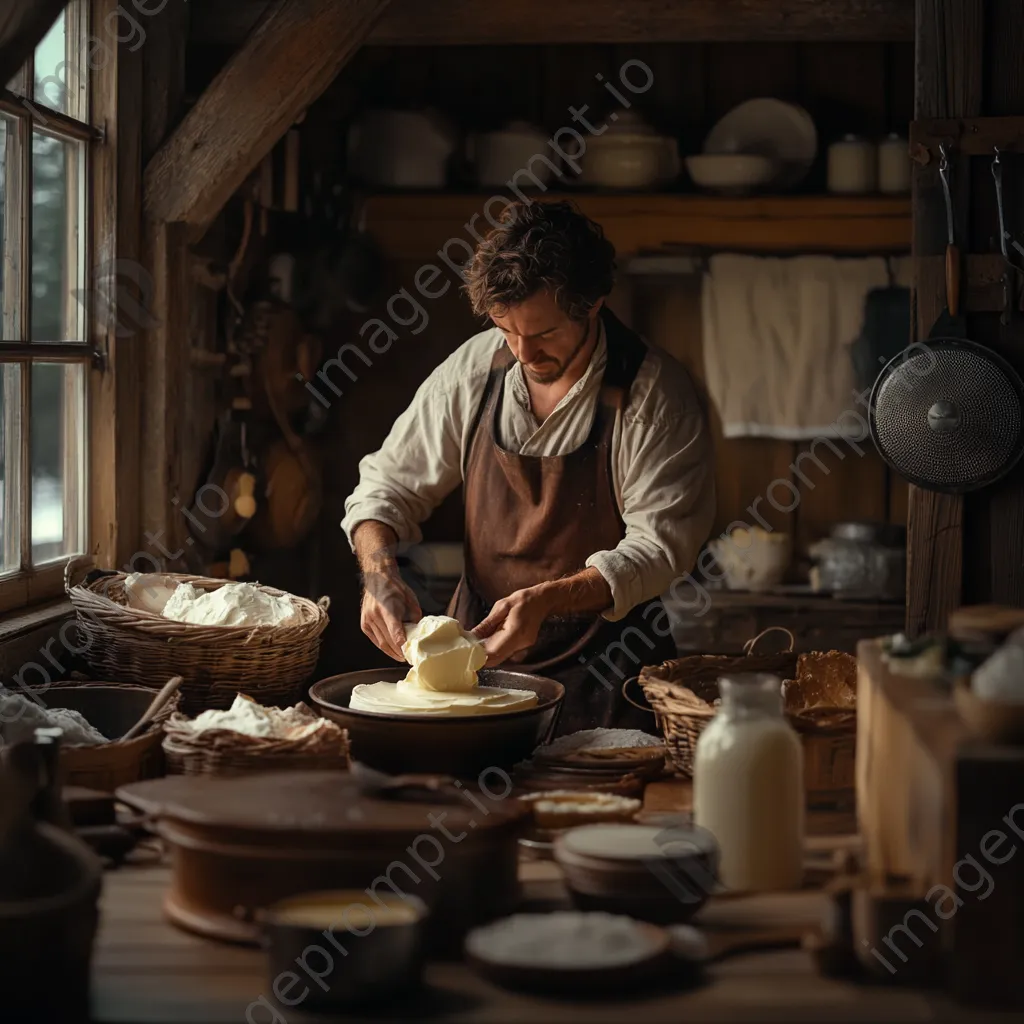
[[748, 786], [851, 166], [893, 165], [629, 154]]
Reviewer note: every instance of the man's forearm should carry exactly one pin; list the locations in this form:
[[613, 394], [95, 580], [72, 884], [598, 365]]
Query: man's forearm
[[587, 591], [376, 545]]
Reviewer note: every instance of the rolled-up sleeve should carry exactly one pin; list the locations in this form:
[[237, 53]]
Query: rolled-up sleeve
[[415, 469], [668, 506]]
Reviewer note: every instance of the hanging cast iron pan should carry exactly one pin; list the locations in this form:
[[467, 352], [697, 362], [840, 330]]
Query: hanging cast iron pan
[[948, 414]]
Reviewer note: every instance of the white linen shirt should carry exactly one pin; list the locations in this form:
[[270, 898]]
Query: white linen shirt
[[662, 471]]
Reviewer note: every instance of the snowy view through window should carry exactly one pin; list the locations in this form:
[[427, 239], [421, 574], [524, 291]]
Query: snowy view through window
[[54, 241]]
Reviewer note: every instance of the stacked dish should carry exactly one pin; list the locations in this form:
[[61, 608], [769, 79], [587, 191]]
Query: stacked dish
[[763, 142]]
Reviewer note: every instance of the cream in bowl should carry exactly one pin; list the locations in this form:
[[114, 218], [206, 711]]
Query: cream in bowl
[[442, 679]]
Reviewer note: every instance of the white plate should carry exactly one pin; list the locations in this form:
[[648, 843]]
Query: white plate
[[781, 131]]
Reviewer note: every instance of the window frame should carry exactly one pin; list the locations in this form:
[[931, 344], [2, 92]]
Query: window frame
[[29, 584]]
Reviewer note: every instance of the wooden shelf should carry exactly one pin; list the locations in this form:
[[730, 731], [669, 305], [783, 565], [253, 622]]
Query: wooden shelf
[[415, 226]]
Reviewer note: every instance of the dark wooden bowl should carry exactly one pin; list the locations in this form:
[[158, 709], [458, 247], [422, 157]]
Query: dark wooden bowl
[[463, 747]]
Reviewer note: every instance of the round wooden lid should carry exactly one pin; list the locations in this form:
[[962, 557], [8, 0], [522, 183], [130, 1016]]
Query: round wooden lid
[[323, 803]]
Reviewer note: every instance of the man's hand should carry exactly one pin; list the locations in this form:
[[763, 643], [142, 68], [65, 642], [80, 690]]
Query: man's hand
[[513, 623], [388, 602]]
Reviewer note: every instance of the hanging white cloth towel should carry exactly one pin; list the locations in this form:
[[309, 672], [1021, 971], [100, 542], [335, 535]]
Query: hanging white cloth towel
[[776, 338]]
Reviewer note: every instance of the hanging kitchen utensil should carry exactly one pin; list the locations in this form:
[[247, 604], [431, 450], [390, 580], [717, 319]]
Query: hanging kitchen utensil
[[1011, 269], [946, 414]]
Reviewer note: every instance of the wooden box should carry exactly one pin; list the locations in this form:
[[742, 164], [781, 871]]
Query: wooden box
[[943, 814]]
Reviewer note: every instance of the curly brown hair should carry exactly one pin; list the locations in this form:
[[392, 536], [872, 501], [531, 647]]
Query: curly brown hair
[[541, 245]]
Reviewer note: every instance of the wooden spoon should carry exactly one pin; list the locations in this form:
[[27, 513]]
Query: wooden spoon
[[155, 707]]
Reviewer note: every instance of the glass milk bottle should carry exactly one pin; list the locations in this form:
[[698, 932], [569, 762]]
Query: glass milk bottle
[[748, 787]]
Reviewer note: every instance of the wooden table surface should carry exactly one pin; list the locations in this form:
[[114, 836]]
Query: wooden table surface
[[145, 971]]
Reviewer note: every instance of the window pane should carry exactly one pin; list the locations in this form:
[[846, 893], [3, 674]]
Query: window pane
[[57, 460], [51, 68], [61, 61], [10, 231], [10, 454], [57, 256]]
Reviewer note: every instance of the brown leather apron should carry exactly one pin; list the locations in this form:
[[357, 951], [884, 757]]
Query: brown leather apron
[[535, 518]]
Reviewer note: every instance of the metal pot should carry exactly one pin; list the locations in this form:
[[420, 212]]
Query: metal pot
[[861, 559]]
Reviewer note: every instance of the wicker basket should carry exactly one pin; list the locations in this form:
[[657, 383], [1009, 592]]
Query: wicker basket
[[829, 735], [113, 708], [269, 663], [226, 752]]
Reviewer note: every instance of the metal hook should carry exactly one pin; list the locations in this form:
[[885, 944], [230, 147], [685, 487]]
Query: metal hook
[[997, 175], [947, 195]]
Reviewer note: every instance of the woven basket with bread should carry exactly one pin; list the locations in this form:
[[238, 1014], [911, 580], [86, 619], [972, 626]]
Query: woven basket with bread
[[820, 699]]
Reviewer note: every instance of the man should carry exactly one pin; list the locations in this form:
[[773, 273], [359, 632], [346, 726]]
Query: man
[[586, 465]]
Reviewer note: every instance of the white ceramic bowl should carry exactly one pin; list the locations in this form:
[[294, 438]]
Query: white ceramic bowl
[[730, 172], [754, 559]]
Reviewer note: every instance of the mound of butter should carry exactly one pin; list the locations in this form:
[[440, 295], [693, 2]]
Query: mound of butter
[[444, 660], [444, 657]]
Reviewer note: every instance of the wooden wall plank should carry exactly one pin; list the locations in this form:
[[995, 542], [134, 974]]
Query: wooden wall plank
[[676, 101], [743, 71], [899, 87], [843, 87], [994, 518], [948, 77], [286, 63], [845, 487]]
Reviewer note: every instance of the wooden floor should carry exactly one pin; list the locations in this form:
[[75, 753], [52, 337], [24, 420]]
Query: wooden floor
[[148, 972]]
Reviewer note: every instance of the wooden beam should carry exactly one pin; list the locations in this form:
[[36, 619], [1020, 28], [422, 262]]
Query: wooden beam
[[120, 302], [23, 23], [948, 63], [291, 56], [457, 22], [165, 376]]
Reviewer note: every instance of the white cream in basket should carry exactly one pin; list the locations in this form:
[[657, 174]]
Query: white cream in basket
[[442, 680]]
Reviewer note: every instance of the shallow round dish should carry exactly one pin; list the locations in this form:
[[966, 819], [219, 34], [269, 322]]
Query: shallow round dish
[[732, 173], [783, 132], [460, 745], [576, 981], [662, 874]]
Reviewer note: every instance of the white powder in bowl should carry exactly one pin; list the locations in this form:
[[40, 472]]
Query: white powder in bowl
[[563, 940]]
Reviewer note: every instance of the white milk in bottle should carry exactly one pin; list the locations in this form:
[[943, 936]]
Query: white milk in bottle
[[748, 787]]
